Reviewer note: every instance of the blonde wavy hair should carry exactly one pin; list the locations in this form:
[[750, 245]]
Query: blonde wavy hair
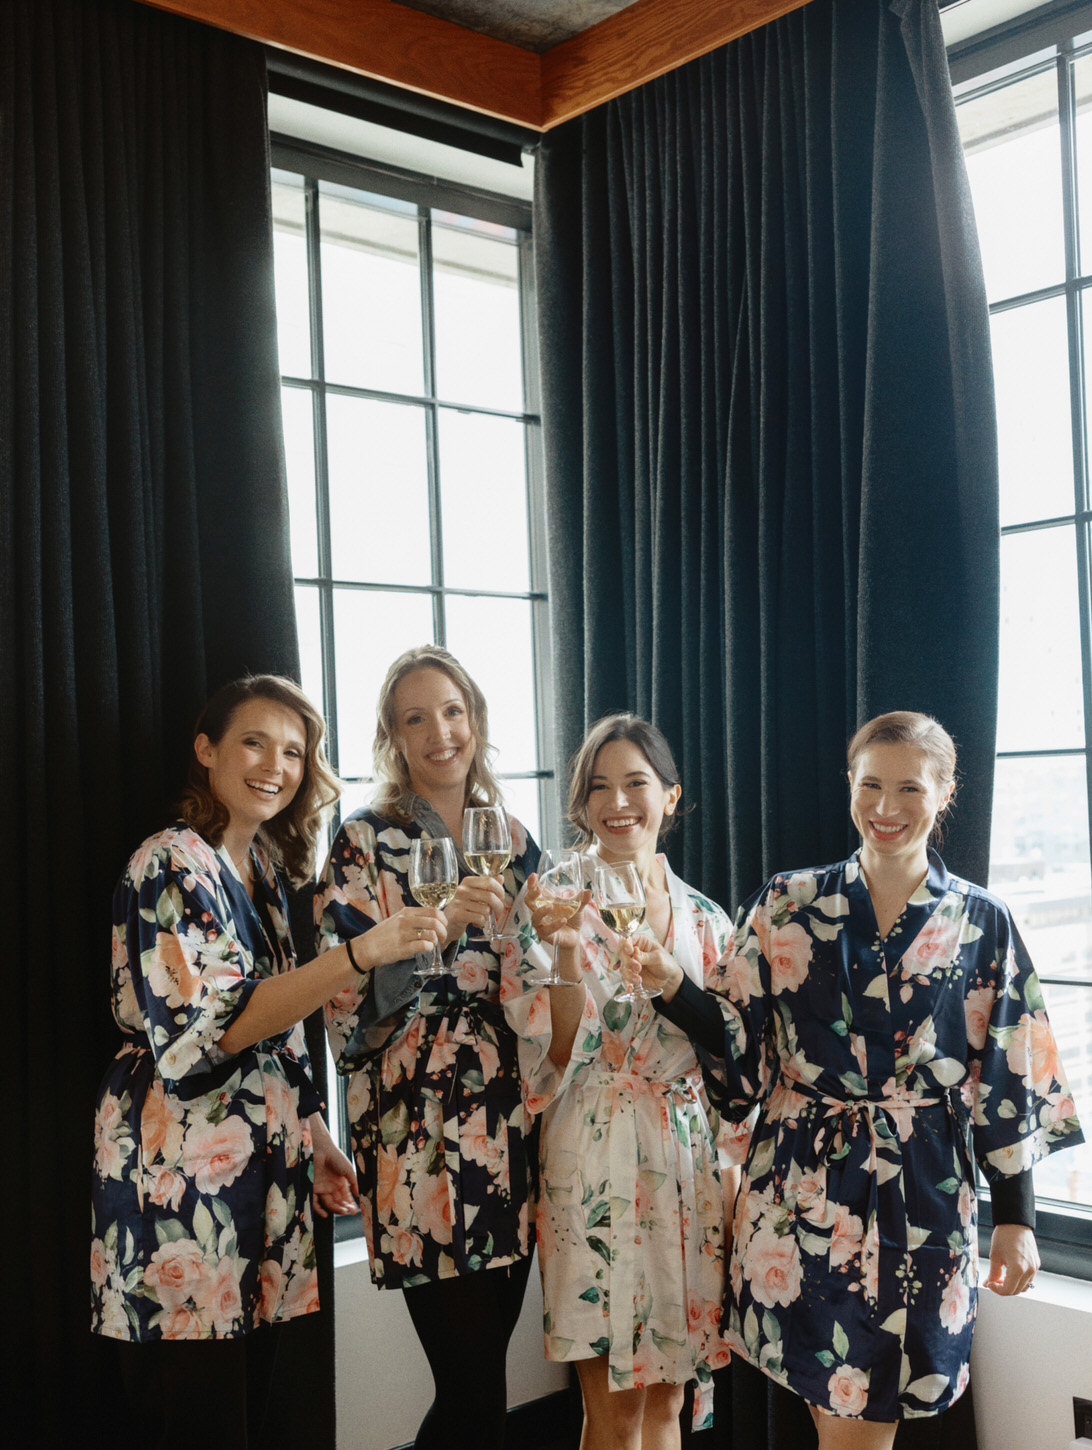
[[290, 839], [482, 787]]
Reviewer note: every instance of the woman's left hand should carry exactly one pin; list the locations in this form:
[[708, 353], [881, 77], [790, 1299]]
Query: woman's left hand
[[1014, 1259], [334, 1189], [658, 968], [475, 897]]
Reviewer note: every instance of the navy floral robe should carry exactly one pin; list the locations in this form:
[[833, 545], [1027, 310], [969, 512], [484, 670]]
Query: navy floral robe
[[445, 1149], [853, 1276], [201, 1203]]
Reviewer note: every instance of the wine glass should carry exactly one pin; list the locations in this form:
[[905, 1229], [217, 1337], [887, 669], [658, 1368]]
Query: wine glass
[[487, 846], [561, 879], [433, 877], [620, 899]]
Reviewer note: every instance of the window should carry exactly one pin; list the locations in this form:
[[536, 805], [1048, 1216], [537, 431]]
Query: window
[[411, 450], [1027, 134]]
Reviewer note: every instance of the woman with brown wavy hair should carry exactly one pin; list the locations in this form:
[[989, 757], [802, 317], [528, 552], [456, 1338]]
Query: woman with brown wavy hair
[[210, 1148]]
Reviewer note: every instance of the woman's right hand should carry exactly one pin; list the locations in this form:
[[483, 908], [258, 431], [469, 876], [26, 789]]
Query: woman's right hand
[[413, 930], [554, 919]]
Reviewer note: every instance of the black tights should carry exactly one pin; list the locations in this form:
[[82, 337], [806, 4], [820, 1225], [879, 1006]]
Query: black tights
[[210, 1393], [464, 1326]]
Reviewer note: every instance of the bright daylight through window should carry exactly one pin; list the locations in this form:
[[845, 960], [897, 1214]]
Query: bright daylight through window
[[1027, 133], [411, 456]]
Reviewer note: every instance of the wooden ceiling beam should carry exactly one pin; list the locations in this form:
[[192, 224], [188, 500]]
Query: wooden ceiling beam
[[638, 44], [390, 42]]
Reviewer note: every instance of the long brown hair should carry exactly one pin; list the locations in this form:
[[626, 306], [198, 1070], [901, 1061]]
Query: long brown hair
[[291, 837], [652, 744], [482, 787]]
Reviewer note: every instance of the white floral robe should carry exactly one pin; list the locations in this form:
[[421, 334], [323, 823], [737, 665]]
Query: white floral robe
[[631, 1215]]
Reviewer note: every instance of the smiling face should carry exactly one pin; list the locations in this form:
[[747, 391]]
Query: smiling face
[[432, 731], [256, 766], [627, 802], [895, 798]]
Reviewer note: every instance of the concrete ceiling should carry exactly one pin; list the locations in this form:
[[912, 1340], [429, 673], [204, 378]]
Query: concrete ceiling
[[535, 25]]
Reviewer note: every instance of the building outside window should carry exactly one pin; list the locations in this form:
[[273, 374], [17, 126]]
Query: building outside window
[[1027, 132]]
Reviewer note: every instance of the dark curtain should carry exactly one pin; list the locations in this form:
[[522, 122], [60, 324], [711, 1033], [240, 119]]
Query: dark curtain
[[770, 450], [145, 560], [769, 428]]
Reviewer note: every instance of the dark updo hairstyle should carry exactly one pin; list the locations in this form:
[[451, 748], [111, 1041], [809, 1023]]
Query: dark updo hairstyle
[[910, 727], [648, 740], [291, 837]]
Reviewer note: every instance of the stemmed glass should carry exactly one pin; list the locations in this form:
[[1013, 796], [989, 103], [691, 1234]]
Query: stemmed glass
[[433, 877], [620, 899], [560, 879], [487, 846]]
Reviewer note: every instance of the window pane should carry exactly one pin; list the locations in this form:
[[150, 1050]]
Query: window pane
[[371, 629], [1039, 699], [1082, 83], [290, 274], [379, 529], [299, 458], [492, 639], [309, 630], [1039, 859], [1012, 143], [1031, 377], [478, 346], [1068, 1175], [483, 478], [521, 799], [371, 297]]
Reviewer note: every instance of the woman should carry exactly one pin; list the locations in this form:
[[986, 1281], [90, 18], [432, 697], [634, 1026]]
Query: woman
[[443, 1146], [873, 1005], [631, 1212], [208, 1127]]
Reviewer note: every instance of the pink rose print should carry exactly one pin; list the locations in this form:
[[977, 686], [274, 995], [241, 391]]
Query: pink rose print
[[978, 1006], [1033, 1054], [219, 1296], [772, 1267], [788, 951], [955, 1303], [182, 1323], [214, 1154], [102, 1261], [272, 1289], [848, 1389], [168, 1189], [170, 975], [473, 974], [176, 1272], [845, 1240], [432, 1206], [933, 947], [158, 1118]]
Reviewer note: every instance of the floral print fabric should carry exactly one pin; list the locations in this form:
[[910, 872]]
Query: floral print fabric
[[201, 1205], [631, 1214], [853, 1275], [439, 1130]]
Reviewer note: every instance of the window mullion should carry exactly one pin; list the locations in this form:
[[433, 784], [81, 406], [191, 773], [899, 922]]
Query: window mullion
[[432, 426]]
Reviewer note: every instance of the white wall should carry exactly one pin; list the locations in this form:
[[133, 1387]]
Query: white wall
[[383, 1383], [1031, 1356]]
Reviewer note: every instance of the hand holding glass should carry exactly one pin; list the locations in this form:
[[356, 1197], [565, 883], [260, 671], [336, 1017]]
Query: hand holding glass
[[561, 880], [620, 899], [433, 877], [487, 846]]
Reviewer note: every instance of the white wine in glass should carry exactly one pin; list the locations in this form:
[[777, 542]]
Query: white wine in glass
[[620, 899], [433, 877], [560, 879], [487, 846]]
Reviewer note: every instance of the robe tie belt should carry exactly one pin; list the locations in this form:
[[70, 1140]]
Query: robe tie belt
[[623, 1243], [839, 1120]]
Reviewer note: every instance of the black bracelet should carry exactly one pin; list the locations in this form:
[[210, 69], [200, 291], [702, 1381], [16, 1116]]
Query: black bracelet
[[360, 971]]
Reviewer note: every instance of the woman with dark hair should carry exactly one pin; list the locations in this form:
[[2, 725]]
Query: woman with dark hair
[[879, 1008], [633, 1167], [210, 1147], [444, 1148]]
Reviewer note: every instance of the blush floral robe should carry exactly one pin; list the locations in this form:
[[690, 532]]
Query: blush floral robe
[[631, 1214], [854, 1268], [201, 1204], [444, 1148]]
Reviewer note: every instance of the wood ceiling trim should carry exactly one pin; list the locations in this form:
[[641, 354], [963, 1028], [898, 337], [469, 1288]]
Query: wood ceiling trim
[[390, 42], [640, 43]]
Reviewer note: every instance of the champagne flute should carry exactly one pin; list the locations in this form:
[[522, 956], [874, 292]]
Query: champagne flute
[[560, 879], [433, 877], [487, 846], [620, 899]]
